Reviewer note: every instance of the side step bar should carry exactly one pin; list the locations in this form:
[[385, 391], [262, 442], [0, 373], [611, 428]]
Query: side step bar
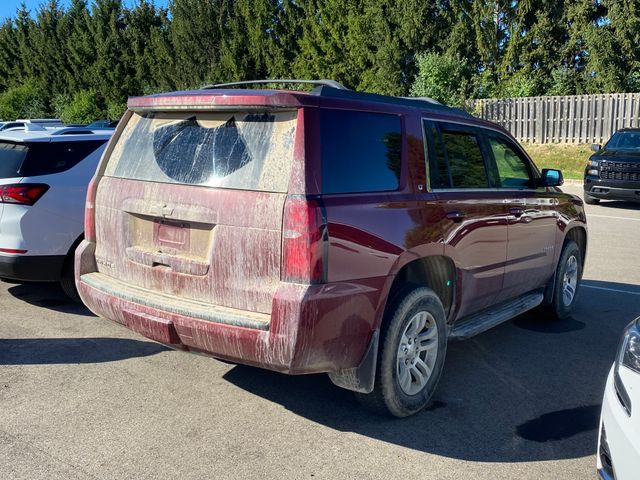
[[472, 325]]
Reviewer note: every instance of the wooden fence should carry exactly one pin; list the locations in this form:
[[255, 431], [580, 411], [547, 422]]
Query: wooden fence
[[568, 119]]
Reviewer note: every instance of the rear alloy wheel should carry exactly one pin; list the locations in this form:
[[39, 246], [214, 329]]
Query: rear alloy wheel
[[417, 353], [567, 281], [413, 345]]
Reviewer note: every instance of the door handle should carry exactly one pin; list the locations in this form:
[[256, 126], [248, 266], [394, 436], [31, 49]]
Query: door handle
[[456, 216]]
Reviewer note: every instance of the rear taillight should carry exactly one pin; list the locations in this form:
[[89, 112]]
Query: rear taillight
[[90, 211], [304, 243], [12, 251], [22, 193]]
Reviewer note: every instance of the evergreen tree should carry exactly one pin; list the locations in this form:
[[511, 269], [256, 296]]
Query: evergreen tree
[[196, 31], [105, 51], [621, 35], [142, 21], [47, 49], [78, 45], [110, 73], [9, 55], [23, 27]]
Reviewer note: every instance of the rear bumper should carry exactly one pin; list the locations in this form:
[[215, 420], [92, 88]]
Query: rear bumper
[[611, 189], [311, 329], [34, 268]]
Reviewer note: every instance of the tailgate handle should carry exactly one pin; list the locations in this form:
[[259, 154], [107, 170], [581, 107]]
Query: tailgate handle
[[161, 210]]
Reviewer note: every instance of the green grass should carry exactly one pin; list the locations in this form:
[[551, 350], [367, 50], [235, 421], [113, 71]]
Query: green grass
[[571, 159]]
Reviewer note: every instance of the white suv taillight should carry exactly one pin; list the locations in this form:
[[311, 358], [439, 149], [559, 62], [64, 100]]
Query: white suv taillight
[[90, 211], [22, 193], [303, 241]]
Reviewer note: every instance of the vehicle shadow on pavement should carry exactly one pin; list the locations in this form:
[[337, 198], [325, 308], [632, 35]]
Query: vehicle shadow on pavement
[[53, 351], [48, 295], [528, 390]]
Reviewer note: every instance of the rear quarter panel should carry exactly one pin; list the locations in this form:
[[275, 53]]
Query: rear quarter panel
[[371, 236]]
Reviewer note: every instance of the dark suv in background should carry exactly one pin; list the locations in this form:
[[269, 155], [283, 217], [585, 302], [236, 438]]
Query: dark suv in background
[[613, 171], [325, 231]]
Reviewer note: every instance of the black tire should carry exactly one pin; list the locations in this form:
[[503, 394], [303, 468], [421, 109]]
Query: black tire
[[589, 200], [388, 396], [559, 308], [68, 281]]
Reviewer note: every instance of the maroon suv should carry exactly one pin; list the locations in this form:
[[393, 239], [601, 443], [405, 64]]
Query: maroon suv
[[324, 231]]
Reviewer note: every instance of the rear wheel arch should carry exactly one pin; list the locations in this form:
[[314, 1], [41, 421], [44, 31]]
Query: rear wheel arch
[[579, 235], [436, 272]]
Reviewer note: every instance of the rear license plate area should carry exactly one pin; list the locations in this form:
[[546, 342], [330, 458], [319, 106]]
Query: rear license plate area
[[171, 236]]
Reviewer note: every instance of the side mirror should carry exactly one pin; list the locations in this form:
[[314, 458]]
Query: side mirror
[[551, 178], [595, 147]]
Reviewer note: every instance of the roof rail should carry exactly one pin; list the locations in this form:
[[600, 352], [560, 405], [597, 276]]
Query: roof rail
[[73, 131], [424, 99], [33, 127], [55, 121], [322, 82]]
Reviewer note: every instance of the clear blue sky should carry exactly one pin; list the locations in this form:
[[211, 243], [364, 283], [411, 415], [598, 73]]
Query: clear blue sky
[[8, 8]]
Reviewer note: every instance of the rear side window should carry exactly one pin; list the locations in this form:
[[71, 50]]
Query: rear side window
[[32, 159], [12, 156], [465, 159], [361, 151], [238, 150], [438, 169]]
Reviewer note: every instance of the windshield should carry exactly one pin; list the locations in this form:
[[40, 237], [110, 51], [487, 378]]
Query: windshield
[[627, 141], [248, 151]]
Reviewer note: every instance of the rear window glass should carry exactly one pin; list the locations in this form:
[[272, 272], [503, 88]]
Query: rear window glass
[[32, 159], [229, 150], [465, 159], [360, 151]]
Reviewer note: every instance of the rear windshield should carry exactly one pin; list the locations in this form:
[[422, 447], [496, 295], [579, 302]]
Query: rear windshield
[[32, 159], [246, 151]]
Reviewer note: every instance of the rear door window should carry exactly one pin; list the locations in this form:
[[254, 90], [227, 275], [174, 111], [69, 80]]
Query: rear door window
[[361, 151], [247, 151], [463, 154], [32, 159], [438, 167]]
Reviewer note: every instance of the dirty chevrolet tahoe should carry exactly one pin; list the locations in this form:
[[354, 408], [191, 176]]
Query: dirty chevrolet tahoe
[[324, 231]]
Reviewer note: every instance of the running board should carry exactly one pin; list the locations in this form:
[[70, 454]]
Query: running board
[[472, 325]]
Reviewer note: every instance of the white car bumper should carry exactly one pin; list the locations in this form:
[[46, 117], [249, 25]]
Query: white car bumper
[[619, 441]]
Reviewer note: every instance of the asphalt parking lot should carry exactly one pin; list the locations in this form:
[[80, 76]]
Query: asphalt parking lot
[[84, 398]]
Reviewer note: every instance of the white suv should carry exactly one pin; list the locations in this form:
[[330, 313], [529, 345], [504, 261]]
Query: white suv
[[44, 176], [619, 440]]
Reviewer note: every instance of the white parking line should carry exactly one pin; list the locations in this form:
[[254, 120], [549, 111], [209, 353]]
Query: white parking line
[[610, 289], [589, 215]]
